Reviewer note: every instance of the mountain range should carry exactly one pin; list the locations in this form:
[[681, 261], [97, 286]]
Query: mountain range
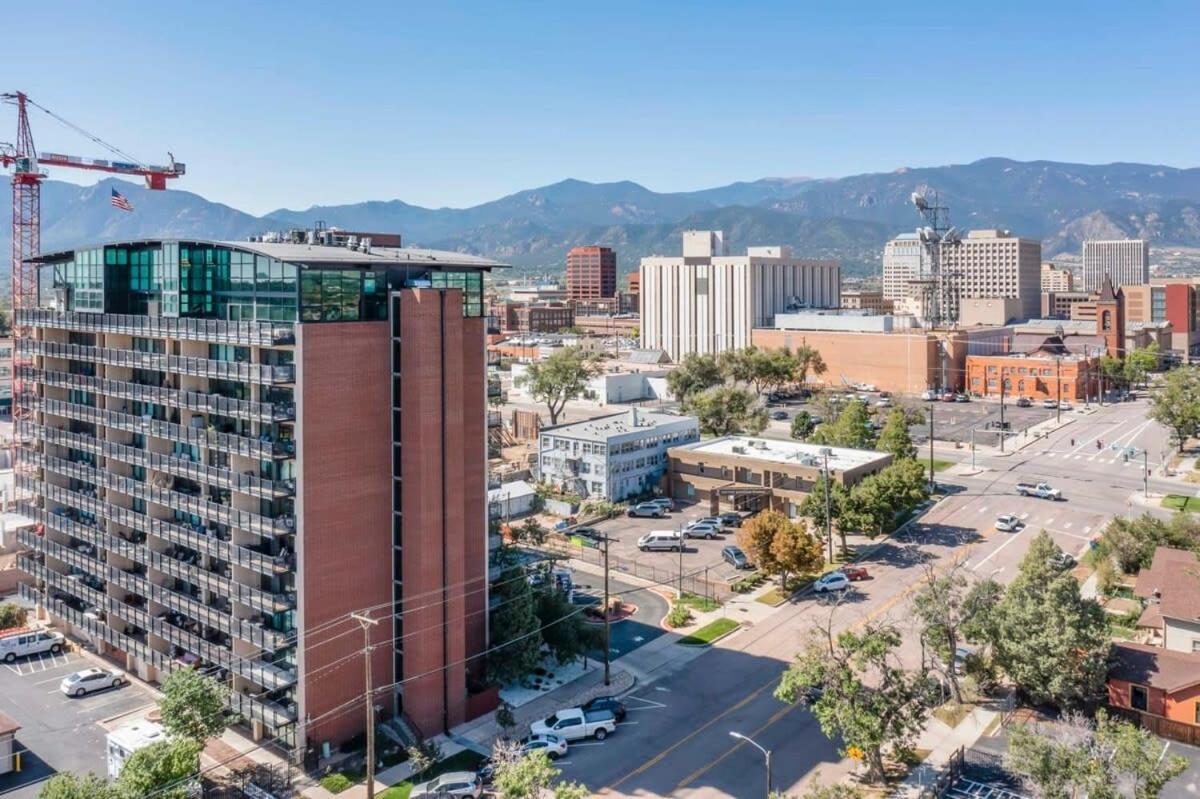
[[846, 218]]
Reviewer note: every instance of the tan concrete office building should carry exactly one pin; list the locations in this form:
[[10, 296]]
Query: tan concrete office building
[[1057, 278], [1127, 262], [902, 262], [706, 301], [997, 264]]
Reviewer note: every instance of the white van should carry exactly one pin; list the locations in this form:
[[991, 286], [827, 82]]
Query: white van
[[660, 540], [33, 642]]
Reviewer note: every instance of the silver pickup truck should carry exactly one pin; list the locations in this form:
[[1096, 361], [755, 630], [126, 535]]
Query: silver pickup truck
[[574, 724]]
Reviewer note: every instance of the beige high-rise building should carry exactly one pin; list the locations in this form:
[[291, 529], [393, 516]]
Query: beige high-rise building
[[1126, 261], [902, 262], [1057, 279], [708, 302], [995, 264]]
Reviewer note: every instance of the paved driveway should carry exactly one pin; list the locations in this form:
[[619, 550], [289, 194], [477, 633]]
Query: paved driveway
[[636, 631], [58, 733]]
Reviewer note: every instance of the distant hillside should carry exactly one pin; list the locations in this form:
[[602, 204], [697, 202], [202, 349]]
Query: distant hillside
[[847, 218]]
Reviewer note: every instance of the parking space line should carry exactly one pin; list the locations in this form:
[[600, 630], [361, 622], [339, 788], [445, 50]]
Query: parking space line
[[1066, 525], [1049, 522]]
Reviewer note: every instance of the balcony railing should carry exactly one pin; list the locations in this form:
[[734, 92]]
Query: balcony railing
[[176, 500], [134, 359], [260, 448], [246, 333], [271, 713], [191, 400], [176, 465]]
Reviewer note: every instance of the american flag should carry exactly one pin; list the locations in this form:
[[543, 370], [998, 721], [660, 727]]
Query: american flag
[[119, 201]]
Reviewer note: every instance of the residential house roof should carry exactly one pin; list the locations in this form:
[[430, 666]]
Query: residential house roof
[[1155, 667], [1174, 579]]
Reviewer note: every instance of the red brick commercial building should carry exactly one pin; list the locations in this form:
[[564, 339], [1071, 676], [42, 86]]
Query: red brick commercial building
[[1044, 374], [591, 273], [232, 446], [534, 317]]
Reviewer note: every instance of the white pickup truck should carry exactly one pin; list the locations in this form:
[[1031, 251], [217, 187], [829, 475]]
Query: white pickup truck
[[1039, 490], [574, 724]]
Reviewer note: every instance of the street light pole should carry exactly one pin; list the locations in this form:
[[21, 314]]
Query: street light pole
[[367, 623], [1145, 474], [828, 514], [1058, 387], [1002, 381], [607, 616], [766, 754], [932, 485], [972, 449]]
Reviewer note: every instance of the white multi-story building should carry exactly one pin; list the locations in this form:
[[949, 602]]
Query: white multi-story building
[[902, 262], [1126, 261], [612, 457], [707, 301], [988, 264], [1056, 279]]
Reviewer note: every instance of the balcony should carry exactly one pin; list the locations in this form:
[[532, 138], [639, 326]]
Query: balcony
[[176, 465], [176, 500], [264, 334], [270, 713], [495, 419], [198, 367], [96, 629], [202, 402], [263, 447]]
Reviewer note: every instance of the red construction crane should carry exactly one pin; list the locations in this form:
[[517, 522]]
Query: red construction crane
[[27, 179]]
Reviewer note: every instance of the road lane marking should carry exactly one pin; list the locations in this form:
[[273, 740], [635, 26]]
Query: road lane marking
[[695, 775], [1067, 525], [1087, 529], [1050, 521], [996, 551]]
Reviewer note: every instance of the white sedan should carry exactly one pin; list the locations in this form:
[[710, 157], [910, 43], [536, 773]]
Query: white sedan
[[833, 581], [1008, 524], [552, 745], [85, 682]]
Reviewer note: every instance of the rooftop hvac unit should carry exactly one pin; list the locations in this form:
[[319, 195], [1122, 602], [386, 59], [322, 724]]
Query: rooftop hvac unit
[[739, 450]]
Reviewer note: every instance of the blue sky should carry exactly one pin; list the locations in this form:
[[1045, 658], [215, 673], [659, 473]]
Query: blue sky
[[450, 104]]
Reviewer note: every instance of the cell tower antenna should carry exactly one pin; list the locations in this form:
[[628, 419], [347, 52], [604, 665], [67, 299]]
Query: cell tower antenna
[[940, 287]]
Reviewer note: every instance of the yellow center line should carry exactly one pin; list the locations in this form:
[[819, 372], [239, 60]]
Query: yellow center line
[[698, 773], [874, 614]]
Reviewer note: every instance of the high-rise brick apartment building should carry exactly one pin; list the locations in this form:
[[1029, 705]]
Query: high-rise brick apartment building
[[230, 446], [591, 273]]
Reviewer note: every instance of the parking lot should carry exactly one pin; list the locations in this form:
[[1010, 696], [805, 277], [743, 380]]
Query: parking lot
[[58, 733], [953, 421], [700, 557]]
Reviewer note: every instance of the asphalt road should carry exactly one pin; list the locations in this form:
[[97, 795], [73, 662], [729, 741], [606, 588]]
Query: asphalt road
[[58, 733], [680, 744], [628, 634]]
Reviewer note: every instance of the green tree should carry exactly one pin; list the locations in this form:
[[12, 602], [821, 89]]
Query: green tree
[[65, 785], [1137, 756], [530, 532], [559, 378], [1050, 641], [1176, 403], [779, 546], [164, 768], [505, 719], [864, 699], [849, 428], [422, 756], [1141, 362], [1112, 370], [814, 506], [530, 776], [564, 630], [12, 615], [193, 705], [727, 410], [802, 425], [514, 627], [694, 374], [894, 436], [940, 605], [1131, 542], [875, 503], [808, 360], [818, 790]]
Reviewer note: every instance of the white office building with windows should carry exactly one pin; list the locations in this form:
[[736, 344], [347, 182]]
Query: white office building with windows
[[1126, 261], [612, 457]]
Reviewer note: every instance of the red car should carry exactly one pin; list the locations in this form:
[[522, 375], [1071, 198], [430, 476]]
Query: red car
[[854, 573]]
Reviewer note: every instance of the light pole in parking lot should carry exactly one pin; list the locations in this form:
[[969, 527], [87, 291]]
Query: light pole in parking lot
[[932, 485], [828, 517], [607, 620], [766, 754]]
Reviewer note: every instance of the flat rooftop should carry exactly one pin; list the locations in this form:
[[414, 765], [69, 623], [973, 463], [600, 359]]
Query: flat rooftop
[[602, 428], [312, 254], [785, 452]]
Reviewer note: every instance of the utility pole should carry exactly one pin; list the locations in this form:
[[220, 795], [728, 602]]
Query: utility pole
[[607, 630], [1058, 386], [367, 623], [1145, 474], [972, 449], [932, 484], [681, 539], [828, 513], [1002, 431]]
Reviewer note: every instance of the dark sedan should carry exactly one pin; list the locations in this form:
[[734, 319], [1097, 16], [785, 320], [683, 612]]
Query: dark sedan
[[609, 703]]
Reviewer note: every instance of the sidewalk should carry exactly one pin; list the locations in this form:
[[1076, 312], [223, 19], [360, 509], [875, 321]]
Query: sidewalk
[[943, 741]]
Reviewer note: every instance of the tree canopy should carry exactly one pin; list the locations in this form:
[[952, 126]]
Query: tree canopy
[[849, 428], [779, 546], [1176, 403], [163, 768], [802, 425], [895, 438], [695, 373], [559, 378], [193, 705], [727, 410]]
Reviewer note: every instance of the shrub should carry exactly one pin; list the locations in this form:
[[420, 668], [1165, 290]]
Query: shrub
[[679, 616], [335, 782]]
